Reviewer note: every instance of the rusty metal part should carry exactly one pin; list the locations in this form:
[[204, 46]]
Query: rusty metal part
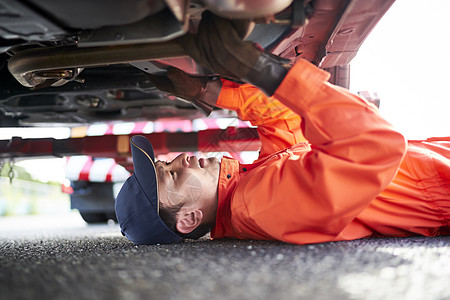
[[246, 8], [24, 64]]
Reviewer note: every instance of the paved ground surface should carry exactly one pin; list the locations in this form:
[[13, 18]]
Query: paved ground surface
[[62, 258]]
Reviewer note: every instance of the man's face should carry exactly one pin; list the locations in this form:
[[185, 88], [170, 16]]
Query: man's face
[[187, 180]]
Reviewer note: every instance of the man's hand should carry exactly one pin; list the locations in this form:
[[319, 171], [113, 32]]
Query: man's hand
[[180, 84], [202, 92], [219, 47]]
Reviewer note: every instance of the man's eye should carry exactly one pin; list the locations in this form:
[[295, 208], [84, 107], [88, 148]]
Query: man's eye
[[172, 173]]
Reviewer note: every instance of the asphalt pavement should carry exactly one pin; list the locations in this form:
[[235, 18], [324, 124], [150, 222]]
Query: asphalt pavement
[[61, 257]]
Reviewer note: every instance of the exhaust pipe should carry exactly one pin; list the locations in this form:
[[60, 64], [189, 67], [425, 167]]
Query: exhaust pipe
[[25, 66]]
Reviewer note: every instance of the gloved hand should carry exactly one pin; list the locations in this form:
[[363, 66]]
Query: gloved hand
[[202, 92], [218, 47]]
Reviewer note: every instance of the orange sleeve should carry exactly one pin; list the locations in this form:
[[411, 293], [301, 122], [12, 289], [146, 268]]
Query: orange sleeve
[[278, 126], [311, 196]]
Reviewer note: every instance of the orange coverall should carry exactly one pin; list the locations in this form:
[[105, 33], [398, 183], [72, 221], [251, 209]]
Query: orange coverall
[[355, 178]]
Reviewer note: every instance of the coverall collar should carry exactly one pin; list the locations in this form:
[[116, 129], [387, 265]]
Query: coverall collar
[[228, 179]]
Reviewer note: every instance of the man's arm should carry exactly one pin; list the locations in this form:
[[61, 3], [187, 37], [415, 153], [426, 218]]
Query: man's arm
[[278, 126], [313, 196]]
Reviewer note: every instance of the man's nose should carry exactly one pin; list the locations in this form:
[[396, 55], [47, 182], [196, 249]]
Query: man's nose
[[180, 161]]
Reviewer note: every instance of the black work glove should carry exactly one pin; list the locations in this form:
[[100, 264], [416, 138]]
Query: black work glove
[[202, 92], [219, 47]]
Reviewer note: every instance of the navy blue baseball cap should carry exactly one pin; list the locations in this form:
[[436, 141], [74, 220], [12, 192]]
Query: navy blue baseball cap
[[137, 205]]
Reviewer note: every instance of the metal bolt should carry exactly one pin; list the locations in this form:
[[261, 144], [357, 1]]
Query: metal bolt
[[119, 36], [80, 80]]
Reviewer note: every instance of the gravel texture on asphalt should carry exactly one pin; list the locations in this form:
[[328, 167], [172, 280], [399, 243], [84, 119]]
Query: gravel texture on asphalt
[[96, 262]]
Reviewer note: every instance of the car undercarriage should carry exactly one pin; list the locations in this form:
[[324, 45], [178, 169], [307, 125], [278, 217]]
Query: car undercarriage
[[82, 62]]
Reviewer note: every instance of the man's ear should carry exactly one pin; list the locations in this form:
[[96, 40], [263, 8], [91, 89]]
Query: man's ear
[[187, 222]]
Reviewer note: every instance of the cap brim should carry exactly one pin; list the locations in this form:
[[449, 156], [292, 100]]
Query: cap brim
[[144, 168]]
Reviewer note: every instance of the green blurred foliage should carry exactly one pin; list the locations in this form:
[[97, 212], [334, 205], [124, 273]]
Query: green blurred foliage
[[26, 195]]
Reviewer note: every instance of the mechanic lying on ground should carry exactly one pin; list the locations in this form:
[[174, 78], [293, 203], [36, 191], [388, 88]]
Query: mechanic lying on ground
[[354, 178]]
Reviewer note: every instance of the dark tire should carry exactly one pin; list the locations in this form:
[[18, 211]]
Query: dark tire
[[93, 218], [94, 200], [111, 216]]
